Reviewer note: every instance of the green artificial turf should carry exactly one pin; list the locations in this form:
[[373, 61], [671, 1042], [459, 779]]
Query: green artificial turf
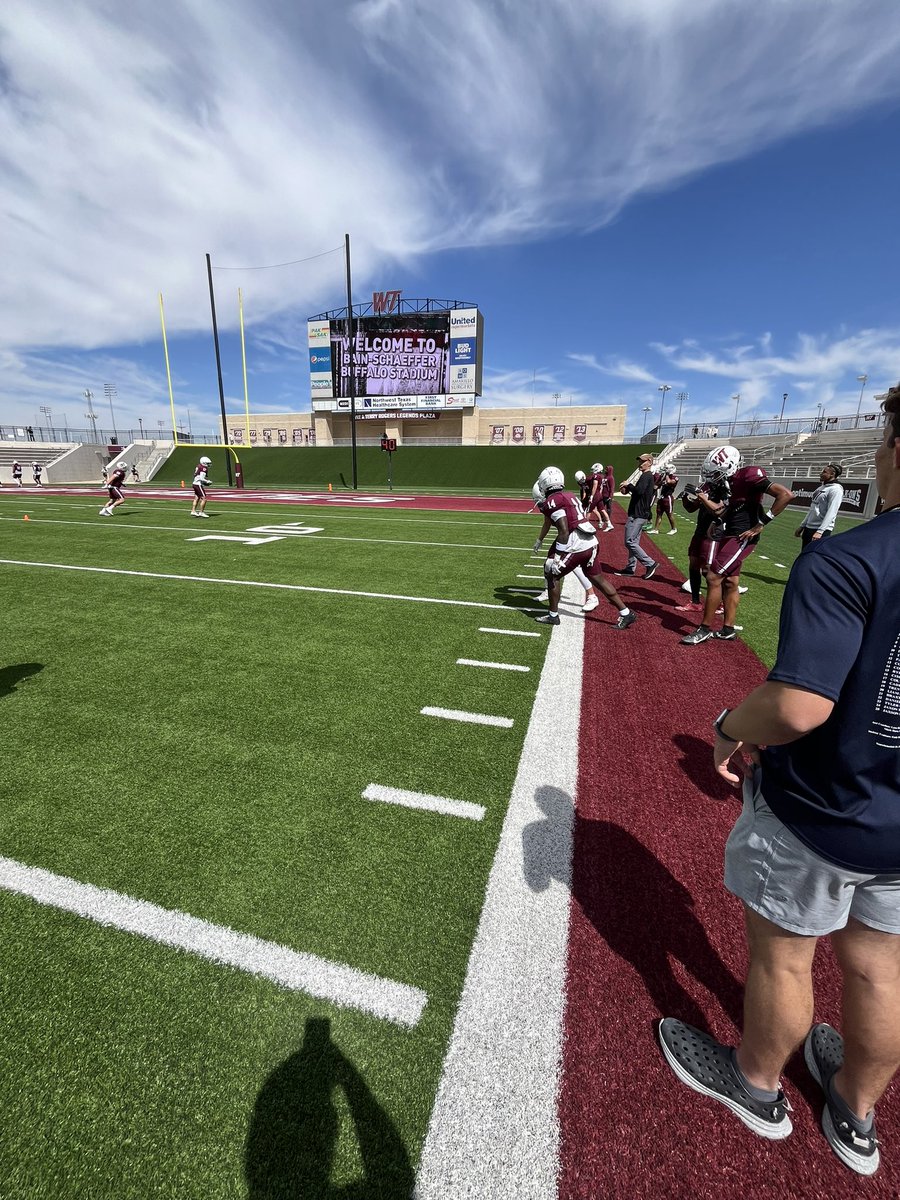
[[204, 747]]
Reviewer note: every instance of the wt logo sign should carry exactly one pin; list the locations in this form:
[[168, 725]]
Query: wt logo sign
[[385, 302]]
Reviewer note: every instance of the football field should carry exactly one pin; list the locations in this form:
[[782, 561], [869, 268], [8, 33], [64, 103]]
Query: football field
[[256, 771], [189, 737]]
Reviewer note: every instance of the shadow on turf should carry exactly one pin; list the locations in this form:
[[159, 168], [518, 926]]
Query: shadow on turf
[[295, 1125], [696, 762], [638, 907], [10, 676], [516, 598]]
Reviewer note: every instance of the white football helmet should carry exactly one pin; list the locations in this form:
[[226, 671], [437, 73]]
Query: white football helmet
[[551, 479], [579, 476], [206, 461], [721, 463], [536, 494], [596, 468]]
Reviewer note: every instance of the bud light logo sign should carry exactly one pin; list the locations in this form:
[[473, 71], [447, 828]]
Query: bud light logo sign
[[462, 351]]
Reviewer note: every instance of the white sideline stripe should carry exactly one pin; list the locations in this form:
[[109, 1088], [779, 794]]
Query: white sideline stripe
[[780, 565], [286, 587], [539, 577], [508, 632], [438, 804], [494, 1129], [292, 969], [454, 714], [514, 591], [475, 662]]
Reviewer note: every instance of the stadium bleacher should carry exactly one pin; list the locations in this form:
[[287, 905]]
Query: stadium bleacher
[[795, 456]]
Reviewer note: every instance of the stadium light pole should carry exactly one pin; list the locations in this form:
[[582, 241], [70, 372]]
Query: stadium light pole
[[48, 413], [109, 390], [556, 396], [784, 397], [863, 380], [90, 414], [645, 410], [737, 404], [350, 333], [212, 306], [663, 387], [682, 396]]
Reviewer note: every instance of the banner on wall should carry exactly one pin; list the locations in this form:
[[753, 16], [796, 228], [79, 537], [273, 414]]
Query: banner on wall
[[559, 433], [253, 437], [298, 437], [282, 437], [537, 434], [311, 437], [518, 433], [580, 433], [854, 501], [237, 437], [498, 434]]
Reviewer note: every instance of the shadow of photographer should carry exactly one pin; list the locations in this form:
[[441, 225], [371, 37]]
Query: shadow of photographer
[[294, 1129]]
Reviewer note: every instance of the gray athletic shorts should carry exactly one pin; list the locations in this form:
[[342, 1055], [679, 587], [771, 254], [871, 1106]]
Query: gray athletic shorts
[[772, 871]]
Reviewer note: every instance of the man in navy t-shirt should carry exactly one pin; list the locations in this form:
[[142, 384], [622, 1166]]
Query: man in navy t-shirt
[[816, 850]]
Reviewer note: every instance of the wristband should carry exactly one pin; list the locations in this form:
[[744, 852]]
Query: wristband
[[717, 726], [766, 518]]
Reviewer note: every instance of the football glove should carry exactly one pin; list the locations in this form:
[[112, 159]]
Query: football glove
[[537, 546]]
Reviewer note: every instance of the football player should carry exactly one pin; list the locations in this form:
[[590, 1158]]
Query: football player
[[115, 481], [737, 519], [575, 545], [200, 484], [36, 470], [17, 473], [596, 505], [667, 481]]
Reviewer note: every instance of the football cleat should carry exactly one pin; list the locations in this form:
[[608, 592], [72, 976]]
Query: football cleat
[[548, 619], [590, 604], [651, 570], [724, 636], [691, 606], [628, 619], [699, 635]]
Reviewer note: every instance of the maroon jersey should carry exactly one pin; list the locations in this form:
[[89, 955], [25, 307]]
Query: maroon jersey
[[558, 504], [746, 488], [117, 478], [589, 487], [609, 484]]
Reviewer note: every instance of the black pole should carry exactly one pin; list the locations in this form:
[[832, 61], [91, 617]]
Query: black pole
[[212, 305], [783, 402], [350, 335]]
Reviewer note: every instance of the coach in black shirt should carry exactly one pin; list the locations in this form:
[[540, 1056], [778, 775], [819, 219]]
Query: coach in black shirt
[[639, 510]]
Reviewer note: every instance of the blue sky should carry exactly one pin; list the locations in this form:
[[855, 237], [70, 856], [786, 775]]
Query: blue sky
[[635, 192]]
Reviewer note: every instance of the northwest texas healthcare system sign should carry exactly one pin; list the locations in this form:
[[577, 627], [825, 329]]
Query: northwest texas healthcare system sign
[[854, 501]]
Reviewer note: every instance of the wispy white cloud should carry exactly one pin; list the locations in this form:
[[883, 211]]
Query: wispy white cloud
[[617, 368], [133, 139]]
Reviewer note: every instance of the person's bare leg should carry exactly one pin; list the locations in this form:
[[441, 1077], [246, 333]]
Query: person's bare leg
[[778, 999], [600, 581], [870, 965], [554, 591], [730, 598], [713, 597]]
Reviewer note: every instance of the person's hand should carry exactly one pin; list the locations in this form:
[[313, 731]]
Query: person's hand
[[555, 567], [816, 536], [537, 546], [750, 533], [723, 751]]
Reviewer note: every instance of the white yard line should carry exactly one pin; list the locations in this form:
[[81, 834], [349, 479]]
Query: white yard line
[[455, 714], [254, 583], [437, 804], [476, 662], [539, 578], [335, 982], [120, 523], [494, 1129], [509, 632]]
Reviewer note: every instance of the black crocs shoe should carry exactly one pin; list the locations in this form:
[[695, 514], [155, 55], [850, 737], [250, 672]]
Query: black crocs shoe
[[856, 1148], [708, 1067]]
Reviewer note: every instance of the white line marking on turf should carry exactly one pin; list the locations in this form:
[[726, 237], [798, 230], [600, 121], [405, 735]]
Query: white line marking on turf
[[340, 984], [454, 714], [780, 565], [475, 662], [438, 804], [286, 587], [539, 577], [494, 1129], [508, 632]]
